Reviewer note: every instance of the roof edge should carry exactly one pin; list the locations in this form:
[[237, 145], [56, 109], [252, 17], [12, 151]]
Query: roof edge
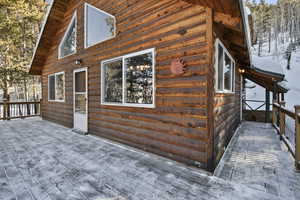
[[247, 33], [274, 74], [41, 34]]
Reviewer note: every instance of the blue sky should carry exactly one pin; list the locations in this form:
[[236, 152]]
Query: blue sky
[[272, 1]]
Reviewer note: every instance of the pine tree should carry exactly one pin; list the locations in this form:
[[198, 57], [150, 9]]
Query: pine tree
[[19, 26]]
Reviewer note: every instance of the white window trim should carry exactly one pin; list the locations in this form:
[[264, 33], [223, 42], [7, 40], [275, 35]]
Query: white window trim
[[124, 80], [65, 35], [225, 51], [55, 85], [85, 25]]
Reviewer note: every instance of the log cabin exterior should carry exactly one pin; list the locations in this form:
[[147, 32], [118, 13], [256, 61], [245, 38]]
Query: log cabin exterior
[[187, 116]]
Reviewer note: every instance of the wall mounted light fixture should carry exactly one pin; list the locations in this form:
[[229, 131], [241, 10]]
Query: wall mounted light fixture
[[78, 62]]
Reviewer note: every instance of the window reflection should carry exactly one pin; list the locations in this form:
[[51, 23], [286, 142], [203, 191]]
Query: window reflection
[[68, 45], [129, 80], [113, 81], [227, 73], [139, 79], [51, 87], [60, 91], [100, 26]]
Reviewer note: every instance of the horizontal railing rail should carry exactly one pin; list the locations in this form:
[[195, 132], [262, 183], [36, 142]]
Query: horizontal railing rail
[[279, 122], [263, 103], [14, 110]]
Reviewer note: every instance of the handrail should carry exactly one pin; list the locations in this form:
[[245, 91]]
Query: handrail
[[279, 123], [286, 111], [14, 110], [259, 101]]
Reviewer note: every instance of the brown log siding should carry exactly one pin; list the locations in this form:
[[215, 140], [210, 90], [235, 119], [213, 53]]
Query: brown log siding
[[177, 127], [226, 111]]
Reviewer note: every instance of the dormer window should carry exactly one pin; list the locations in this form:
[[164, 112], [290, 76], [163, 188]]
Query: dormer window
[[99, 26], [68, 44]]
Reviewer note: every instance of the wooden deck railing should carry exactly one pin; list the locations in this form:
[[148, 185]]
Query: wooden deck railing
[[279, 122], [13, 110]]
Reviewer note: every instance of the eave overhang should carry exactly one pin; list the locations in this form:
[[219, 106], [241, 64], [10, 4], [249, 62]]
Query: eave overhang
[[269, 80]]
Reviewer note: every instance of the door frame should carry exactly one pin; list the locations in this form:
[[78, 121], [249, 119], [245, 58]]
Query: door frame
[[84, 69]]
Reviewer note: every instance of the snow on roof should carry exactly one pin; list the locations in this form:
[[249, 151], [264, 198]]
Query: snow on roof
[[245, 11], [284, 85], [267, 63]]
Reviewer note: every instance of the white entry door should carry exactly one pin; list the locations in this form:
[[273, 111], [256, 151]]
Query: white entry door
[[80, 100]]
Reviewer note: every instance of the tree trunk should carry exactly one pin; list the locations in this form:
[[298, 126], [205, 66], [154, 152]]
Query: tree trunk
[[270, 41], [25, 90], [289, 61]]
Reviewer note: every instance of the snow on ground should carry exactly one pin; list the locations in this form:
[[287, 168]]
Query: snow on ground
[[292, 82], [277, 63]]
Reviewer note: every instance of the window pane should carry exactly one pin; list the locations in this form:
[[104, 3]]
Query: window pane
[[80, 82], [227, 73], [220, 67], [113, 82], [139, 79], [100, 26], [69, 43], [51, 87], [60, 90], [80, 103]]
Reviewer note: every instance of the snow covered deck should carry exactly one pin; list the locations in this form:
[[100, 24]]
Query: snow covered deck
[[40, 160], [258, 159]]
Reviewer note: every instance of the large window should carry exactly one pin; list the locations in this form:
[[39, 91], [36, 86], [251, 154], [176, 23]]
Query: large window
[[68, 44], [129, 80], [99, 26], [56, 87], [225, 69]]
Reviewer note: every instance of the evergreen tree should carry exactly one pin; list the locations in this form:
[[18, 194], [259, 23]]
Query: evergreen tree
[[20, 22]]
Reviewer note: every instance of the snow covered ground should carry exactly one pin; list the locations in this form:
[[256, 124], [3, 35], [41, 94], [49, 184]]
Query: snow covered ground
[[292, 76], [292, 82]]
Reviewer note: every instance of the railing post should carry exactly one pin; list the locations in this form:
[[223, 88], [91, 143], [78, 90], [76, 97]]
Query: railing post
[[4, 109], [282, 120], [274, 115], [28, 109], [297, 137], [40, 107]]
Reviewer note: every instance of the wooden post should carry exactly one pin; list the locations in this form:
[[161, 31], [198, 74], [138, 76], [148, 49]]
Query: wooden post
[[40, 107], [8, 108], [297, 137], [4, 109], [282, 96], [267, 116], [282, 120], [274, 116]]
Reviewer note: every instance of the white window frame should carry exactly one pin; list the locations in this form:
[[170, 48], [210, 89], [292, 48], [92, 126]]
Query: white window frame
[[124, 80], [55, 86], [86, 5], [65, 35], [233, 68]]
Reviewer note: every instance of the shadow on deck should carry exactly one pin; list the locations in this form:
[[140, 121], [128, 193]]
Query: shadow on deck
[[258, 159]]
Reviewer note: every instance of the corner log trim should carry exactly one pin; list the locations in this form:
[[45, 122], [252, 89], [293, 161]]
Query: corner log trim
[[233, 23], [230, 7]]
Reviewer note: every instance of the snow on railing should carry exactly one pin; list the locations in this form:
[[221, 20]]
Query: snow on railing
[[283, 126], [13, 110]]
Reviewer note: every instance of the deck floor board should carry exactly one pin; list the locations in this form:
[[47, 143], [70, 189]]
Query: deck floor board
[[40, 160], [258, 159]]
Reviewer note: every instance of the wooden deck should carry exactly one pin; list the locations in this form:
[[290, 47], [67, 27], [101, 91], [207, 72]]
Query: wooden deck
[[258, 159], [40, 160]]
